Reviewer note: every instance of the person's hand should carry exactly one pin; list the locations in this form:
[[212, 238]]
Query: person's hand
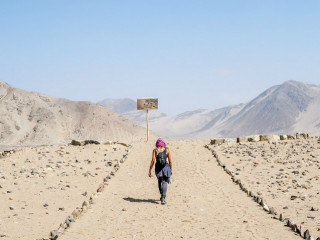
[[149, 174]]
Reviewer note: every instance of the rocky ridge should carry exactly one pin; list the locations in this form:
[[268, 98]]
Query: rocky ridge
[[30, 118]]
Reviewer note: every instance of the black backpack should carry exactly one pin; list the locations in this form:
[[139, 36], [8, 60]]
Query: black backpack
[[162, 157]]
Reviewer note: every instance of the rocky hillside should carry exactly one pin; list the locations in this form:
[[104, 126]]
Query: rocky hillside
[[287, 108], [29, 118]]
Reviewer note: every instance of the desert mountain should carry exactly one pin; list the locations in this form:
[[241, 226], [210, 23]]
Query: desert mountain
[[30, 118], [287, 108]]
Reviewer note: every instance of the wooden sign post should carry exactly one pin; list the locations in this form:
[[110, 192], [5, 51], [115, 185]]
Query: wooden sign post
[[146, 104]]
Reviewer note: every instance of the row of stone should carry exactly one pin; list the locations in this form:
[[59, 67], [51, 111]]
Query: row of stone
[[78, 212], [305, 234], [259, 138], [7, 153], [86, 142]]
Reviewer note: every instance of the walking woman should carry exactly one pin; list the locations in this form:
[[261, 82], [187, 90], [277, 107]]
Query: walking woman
[[163, 167]]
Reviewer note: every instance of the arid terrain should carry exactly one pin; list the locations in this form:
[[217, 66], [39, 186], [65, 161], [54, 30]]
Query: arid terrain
[[42, 186], [284, 173]]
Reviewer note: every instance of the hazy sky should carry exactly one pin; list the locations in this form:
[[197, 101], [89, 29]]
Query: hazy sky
[[189, 54]]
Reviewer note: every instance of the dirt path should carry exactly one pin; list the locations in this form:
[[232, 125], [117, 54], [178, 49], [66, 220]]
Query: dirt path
[[203, 203]]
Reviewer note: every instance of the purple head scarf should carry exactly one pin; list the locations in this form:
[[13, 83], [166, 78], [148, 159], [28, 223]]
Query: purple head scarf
[[160, 142]]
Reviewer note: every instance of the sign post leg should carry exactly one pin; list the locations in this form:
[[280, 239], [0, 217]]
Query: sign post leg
[[147, 125]]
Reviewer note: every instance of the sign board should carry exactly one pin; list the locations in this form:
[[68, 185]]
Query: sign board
[[147, 103]]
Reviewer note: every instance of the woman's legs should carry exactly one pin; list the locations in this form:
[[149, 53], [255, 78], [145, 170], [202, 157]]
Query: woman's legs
[[162, 184]]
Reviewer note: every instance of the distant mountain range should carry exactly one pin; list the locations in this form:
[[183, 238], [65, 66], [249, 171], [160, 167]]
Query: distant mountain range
[[30, 118], [287, 108]]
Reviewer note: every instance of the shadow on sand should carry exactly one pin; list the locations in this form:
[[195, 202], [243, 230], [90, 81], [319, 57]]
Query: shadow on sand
[[140, 200]]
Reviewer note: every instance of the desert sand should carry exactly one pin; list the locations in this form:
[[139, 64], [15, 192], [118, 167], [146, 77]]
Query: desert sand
[[41, 186], [285, 174], [44, 185]]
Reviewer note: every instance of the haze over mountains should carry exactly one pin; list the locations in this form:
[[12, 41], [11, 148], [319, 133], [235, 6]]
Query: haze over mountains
[[30, 118], [287, 108]]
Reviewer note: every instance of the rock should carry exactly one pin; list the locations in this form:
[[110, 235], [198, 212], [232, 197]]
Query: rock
[[86, 204], [100, 189], [254, 138], [266, 208], [297, 229], [67, 221], [314, 209], [293, 197], [75, 143], [84, 208], [61, 209], [11, 208], [61, 229], [70, 218], [242, 139], [261, 202], [283, 137], [91, 142], [301, 231], [230, 140], [272, 138], [123, 144], [290, 137], [64, 225], [306, 234], [91, 199], [272, 211], [302, 136], [76, 214], [53, 234], [45, 205], [217, 141], [291, 225]]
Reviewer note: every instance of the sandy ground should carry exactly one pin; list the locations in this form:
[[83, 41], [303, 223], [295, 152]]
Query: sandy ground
[[285, 174], [203, 203], [41, 186]]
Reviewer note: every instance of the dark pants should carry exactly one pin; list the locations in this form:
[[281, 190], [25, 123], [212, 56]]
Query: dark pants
[[162, 184]]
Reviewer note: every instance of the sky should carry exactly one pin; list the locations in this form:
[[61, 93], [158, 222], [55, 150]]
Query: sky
[[199, 54]]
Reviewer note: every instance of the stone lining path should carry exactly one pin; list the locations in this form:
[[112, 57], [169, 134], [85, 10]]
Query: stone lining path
[[203, 203]]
